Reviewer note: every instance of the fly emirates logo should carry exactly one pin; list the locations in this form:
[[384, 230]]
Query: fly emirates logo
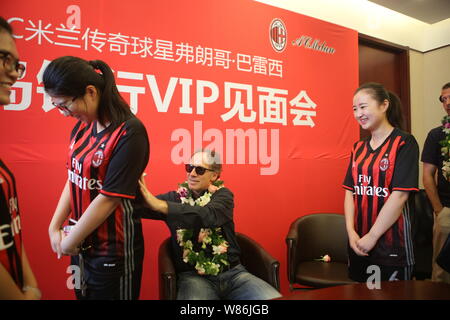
[[82, 182], [365, 189], [8, 231]]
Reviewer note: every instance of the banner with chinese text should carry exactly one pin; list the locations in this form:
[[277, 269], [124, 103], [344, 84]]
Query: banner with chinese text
[[270, 90]]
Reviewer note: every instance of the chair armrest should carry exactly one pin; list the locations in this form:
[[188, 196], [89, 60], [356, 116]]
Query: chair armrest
[[167, 274], [291, 255], [291, 243], [258, 261]]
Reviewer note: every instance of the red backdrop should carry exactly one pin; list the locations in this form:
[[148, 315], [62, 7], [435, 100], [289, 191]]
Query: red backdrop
[[270, 89]]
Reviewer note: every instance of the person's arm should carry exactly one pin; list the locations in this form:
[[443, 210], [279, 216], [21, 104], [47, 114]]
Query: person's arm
[[216, 213], [429, 183], [9, 289], [389, 214], [29, 280], [349, 209], [97, 212], [60, 215]]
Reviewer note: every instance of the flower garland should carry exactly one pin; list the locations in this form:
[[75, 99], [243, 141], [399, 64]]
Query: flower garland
[[186, 194], [212, 256], [445, 150]]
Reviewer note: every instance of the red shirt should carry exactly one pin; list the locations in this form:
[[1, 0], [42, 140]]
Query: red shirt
[[10, 228], [110, 163], [372, 176]]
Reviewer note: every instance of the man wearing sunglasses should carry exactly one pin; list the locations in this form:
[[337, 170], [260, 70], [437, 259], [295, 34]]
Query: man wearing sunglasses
[[233, 281]]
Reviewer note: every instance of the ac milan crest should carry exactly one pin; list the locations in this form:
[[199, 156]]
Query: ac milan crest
[[98, 158], [384, 164], [278, 35]]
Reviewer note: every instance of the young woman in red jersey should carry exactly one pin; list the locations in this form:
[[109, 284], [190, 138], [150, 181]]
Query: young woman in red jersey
[[17, 280], [382, 174], [108, 152]]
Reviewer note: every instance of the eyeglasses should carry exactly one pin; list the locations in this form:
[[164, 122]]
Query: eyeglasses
[[10, 64], [63, 106], [198, 170], [443, 99]]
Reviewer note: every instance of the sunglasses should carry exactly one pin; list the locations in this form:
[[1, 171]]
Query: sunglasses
[[198, 170]]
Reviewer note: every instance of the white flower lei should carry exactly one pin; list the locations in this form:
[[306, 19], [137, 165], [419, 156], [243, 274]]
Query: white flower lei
[[445, 150], [212, 257]]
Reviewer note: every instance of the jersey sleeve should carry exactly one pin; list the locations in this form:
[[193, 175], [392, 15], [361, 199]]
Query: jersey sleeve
[[406, 172], [128, 161], [431, 149]]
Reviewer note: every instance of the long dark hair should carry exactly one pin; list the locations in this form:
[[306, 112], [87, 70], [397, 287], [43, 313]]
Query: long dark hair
[[69, 76], [394, 112]]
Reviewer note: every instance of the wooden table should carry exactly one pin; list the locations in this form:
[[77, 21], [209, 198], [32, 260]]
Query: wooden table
[[395, 290]]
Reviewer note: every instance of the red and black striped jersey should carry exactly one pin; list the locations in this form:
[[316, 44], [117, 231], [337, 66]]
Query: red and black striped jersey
[[372, 176], [10, 227], [109, 163]]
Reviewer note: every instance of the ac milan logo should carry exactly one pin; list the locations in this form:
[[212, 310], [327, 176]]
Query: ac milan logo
[[384, 164], [278, 35], [98, 158]]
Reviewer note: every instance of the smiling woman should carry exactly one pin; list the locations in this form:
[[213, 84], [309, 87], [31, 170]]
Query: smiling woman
[[108, 152], [17, 280], [382, 172]]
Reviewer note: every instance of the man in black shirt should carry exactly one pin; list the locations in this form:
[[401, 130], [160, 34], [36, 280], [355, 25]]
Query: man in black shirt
[[438, 193], [203, 240]]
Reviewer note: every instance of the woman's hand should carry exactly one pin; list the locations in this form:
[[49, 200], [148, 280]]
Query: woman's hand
[[353, 239], [366, 243], [56, 237]]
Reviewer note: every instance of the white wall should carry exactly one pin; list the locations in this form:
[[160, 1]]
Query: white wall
[[373, 20], [428, 73], [429, 70]]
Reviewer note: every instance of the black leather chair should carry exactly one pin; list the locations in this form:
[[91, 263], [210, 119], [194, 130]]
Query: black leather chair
[[311, 237], [422, 234], [256, 260]]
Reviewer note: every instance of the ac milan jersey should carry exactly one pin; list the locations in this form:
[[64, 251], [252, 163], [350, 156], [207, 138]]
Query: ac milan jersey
[[10, 229], [372, 176], [109, 163]]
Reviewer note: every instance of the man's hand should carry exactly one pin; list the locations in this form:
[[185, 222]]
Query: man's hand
[[150, 200]]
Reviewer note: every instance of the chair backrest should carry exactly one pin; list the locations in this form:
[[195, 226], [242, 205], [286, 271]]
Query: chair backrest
[[320, 234]]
